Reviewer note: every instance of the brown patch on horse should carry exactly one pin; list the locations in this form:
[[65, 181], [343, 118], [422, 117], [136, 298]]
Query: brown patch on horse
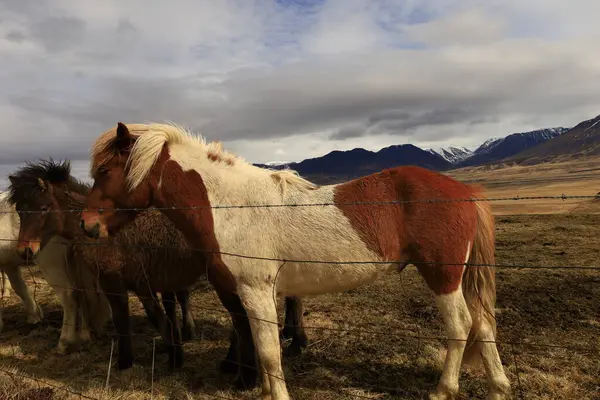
[[419, 232], [187, 188], [216, 153]]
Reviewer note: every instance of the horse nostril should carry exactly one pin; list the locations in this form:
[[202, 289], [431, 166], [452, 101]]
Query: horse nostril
[[96, 231], [26, 253], [82, 224]]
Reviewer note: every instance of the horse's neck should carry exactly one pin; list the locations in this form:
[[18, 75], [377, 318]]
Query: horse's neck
[[72, 203]]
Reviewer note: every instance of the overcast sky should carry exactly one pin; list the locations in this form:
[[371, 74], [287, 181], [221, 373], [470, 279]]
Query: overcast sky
[[286, 80]]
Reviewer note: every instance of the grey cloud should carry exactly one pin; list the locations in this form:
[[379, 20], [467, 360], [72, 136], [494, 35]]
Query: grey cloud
[[427, 94], [399, 122], [125, 26], [25, 7], [59, 33], [348, 131], [311, 97], [15, 36]]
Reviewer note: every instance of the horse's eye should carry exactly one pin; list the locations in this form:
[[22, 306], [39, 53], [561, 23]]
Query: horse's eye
[[44, 209], [103, 171]]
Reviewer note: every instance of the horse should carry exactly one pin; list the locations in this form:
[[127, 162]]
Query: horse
[[60, 276], [10, 263], [381, 223], [148, 256]]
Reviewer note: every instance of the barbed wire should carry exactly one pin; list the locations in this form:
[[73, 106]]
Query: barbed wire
[[324, 204], [49, 384], [418, 336], [96, 243]]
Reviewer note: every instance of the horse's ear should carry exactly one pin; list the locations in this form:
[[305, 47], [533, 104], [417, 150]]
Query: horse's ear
[[122, 131], [124, 139], [12, 179], [42, 185]]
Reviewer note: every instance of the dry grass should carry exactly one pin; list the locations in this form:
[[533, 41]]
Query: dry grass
[[386, 360], [573, 178]]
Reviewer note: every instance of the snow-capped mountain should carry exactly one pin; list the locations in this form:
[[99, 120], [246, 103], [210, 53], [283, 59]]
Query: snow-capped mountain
[[497, 149], [583, 140], [488, 145], [276, 163], [452, 154]]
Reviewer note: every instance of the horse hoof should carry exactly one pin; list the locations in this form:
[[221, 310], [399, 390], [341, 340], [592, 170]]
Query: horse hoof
[[35, 317], [294, 349], [227, 367], [176, 357], [123, 365], [64, 346], [441, 396], [497, 396], [246, 381], [187, 333], [85, 336], [287, 332]]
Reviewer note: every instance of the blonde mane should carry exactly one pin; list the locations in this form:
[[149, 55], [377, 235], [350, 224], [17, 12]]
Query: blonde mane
[[150, 139]]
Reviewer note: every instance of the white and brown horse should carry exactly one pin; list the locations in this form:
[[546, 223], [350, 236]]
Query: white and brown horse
[[138, 166]]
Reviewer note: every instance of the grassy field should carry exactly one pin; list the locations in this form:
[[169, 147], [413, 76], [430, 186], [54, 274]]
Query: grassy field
[[573, 178], [539, 312]]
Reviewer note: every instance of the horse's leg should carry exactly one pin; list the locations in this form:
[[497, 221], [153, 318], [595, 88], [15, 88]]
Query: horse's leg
[[262, 314], [188, 331], [497, 380], [230, 365], [172, 330], [241, 339], [153, 311], [6, 285], [68, 332], [157, 317], [85, 332], [294, 326], [2, 300], [457, 324], [13, 272], [116, 293], [440, 273]]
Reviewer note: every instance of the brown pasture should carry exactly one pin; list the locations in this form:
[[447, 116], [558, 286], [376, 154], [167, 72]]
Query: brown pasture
[[376, 341]]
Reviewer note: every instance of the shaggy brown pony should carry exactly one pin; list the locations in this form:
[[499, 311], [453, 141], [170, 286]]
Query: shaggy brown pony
[[148, 256]]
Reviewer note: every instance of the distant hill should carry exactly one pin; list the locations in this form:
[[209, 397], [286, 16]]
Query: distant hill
[[497, 149], [339, 166], [526, 147], [580, 141]]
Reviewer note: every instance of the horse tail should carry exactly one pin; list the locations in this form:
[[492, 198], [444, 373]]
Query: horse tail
[[479, 282]]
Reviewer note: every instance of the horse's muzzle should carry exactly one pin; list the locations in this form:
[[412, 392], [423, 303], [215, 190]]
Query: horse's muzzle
[[93, 231], [26, 253]]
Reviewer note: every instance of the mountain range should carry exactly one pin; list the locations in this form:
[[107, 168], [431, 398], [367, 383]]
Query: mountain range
[[532, 147]]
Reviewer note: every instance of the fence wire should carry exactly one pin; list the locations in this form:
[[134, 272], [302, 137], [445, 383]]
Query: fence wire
[[413, 336], [325, 204]]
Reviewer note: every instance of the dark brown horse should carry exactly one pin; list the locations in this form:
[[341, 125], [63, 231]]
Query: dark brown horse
[[148, 256]]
